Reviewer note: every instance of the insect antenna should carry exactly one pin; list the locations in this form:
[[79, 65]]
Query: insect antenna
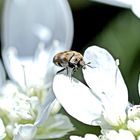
[[87, 64]]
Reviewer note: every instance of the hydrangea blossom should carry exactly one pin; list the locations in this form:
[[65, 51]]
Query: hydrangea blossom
[[28, 108], [104, 102], [134, 5]]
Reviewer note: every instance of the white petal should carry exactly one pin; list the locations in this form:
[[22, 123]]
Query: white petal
[[125, 135], [56, 107], [43, 22], [120, 135], [91, 137], [44, 113], [76, 98], [2, 130], [104, 78], [133, 112], [136, 7], [76, 138], [26, 72], [52, 16], [15, 68], [134, 125], [87, 137], [25, 132], [139, 85], [120, 3], [2, 74], [56, 126], [133, 4]]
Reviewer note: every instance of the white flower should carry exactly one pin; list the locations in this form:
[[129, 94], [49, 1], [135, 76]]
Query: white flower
[[30, 109], [133, 123], [134, 5], [32, 33], [107, 135], [133, 112], [120, 135], [30, 43], [25, 132], [86, 137], [105, 101], [17, 105]]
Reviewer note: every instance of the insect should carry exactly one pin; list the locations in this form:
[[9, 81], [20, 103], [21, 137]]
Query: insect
[[69, 59]]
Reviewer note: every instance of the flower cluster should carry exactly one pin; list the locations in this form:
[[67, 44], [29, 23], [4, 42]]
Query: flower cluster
[[104, 102], [25, 115], [28, 107]]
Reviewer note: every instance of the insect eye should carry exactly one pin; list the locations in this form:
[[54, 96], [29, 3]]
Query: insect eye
[[76, 60]]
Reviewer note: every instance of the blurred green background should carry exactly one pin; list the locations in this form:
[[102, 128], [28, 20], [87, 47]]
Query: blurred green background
[[117, 30]]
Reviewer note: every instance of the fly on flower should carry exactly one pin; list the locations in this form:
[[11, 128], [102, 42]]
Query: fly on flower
[[69, 60]]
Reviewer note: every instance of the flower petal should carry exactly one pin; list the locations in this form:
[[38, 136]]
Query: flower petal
[[139, 85], [136, 7], [76, 138], [25, 132], [19, 105], [120, 135], [56, 126], [46, 28], [2, 74], [87, 137], [2, 130], [104, 78], [120, 3], [133, 4], [44, 113], [134, 125], [91, 137], [76, 98], [41, 21]]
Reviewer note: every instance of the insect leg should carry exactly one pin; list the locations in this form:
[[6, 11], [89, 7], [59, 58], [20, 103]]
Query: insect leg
[[60, 70], [67, 70]]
